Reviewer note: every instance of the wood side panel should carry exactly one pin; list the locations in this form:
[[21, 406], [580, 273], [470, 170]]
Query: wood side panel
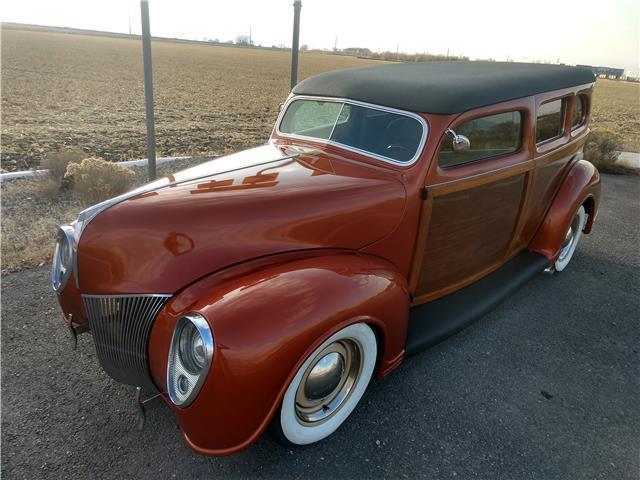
[[516, 243], [469, 231], [550, 170], [542, 192], [421, 240]]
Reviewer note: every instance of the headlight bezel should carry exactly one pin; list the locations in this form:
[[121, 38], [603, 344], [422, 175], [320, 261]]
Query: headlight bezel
[[178, 374], [64, 258]]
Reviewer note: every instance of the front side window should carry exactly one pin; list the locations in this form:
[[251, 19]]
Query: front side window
[[550, 120], [489, 136], [388, 134], [579, 111]]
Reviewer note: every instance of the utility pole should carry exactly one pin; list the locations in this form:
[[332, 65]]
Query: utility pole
[[148, 88], [335, 44], [250, 41], [297, 5]]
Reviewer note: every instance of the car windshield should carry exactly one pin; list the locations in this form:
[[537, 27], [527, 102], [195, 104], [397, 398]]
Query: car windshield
[[389, 134]]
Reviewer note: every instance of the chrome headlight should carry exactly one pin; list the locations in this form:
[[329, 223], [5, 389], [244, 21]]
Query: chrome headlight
[[63, 258], [190, 357]]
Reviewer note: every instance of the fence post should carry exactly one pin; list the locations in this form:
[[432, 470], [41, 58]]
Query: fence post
[[297, 4], [148, 88]]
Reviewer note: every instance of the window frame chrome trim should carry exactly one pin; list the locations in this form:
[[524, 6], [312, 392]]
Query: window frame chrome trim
[[458, 124], [415, 116], [564, 107], [582, 99]]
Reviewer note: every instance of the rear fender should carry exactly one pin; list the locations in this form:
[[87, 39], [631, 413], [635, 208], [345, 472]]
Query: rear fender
[[581, 186], [265, 324]]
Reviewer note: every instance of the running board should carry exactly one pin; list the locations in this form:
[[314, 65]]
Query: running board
[[433, 322]]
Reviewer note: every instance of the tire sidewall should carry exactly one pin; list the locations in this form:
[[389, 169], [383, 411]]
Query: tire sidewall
[[299, 434], [560, 265]]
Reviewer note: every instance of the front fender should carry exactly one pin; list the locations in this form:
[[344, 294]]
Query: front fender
[[265, 323], [580, 186]]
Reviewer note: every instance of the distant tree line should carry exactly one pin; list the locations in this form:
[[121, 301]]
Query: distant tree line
[[413, 57], [244, 40], [363, 52]]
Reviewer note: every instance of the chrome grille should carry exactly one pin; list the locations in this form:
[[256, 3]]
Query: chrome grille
[[121, 325]]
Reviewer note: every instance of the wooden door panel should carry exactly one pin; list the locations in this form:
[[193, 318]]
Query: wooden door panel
[[469, 234], [542, 192], [550, 171]]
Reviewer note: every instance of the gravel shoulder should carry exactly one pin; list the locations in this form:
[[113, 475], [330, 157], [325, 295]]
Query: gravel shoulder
[[544, 387]]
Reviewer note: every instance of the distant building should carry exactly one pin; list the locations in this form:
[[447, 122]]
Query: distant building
[[357, 51], [606, 72]]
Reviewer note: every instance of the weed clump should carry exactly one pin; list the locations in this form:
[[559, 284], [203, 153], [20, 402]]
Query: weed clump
[[95, 179], [57, 162], [602, 149]]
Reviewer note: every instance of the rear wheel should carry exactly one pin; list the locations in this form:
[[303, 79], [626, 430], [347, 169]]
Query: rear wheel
[[571, 239], [327, 387]]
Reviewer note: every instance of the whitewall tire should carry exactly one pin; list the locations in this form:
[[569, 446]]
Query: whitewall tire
[[572, 237], [327, 387]]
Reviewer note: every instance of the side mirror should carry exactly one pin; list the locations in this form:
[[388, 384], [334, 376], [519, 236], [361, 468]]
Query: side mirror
[[460, 143]]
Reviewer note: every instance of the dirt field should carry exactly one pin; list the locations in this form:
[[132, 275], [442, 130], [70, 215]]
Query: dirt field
[[62, 89], [616, 107]]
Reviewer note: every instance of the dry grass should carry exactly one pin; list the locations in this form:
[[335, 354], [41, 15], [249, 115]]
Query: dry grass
[[47, 187], [30, 217], [29, 221]]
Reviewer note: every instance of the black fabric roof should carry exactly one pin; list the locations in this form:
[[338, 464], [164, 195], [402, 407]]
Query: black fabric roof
[[443, 87]]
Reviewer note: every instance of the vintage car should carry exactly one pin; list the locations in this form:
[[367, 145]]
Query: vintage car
[[392, 206]]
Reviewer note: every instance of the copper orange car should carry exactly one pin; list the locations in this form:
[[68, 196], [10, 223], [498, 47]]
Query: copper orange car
[[391, 207]]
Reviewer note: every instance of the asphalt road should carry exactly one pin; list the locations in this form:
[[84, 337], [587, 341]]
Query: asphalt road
[[547, 386]]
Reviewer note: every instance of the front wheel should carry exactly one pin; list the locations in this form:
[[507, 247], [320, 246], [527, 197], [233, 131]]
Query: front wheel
[[571, 240], [327, 387]]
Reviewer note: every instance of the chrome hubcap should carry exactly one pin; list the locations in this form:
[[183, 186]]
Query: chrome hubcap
[[324, 377], [569, 238], [328, 381]]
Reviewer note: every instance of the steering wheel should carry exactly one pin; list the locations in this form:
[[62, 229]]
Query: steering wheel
[[395, 146]]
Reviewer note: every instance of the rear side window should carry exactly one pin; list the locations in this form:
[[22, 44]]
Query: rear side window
[[579, 111], [382, 133], [489, 136], [550, 120]]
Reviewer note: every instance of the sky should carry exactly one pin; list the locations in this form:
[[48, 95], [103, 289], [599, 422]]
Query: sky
[[603, 32]]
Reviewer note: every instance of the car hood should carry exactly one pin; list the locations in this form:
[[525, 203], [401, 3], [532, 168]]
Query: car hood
[[259, 202]]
